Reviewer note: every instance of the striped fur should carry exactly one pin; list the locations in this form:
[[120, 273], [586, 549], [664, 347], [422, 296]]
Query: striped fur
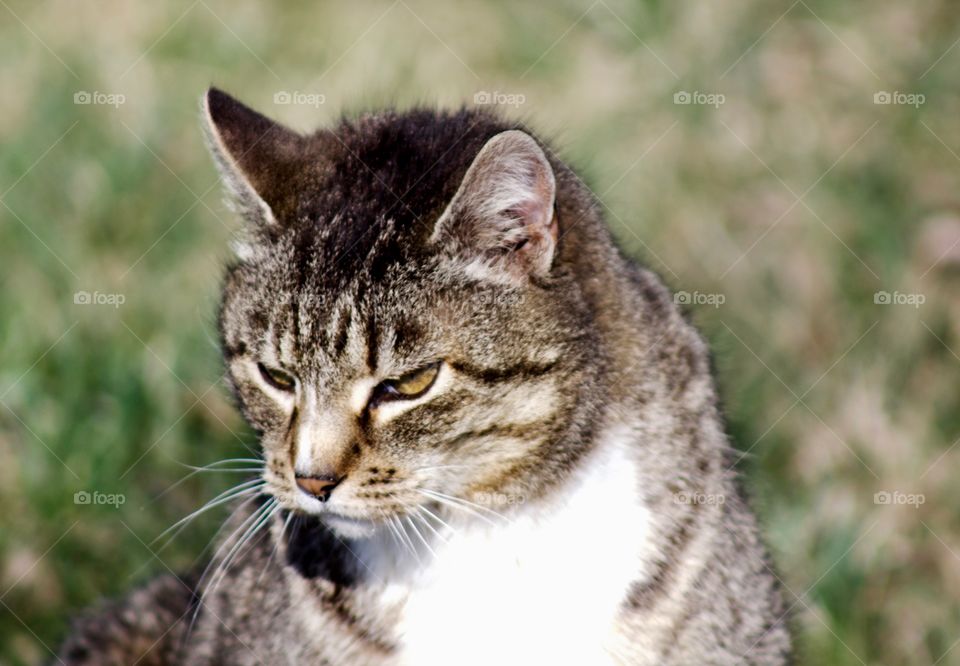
[[529, 505]]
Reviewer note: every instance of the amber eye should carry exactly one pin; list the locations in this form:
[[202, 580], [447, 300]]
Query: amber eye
[[278, 379], [407, 387]]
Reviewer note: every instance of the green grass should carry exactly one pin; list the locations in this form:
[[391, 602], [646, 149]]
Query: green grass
[[833, 396]]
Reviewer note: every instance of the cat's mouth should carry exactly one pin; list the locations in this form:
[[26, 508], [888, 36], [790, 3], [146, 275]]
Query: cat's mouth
[[346, 516], [344, 523]]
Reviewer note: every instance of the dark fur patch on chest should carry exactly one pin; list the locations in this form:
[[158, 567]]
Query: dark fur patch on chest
[[315, 552]]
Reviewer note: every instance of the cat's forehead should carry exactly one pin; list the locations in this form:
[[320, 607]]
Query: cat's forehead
[[346, 260], [369, 194], [390, 166], [321, 293]]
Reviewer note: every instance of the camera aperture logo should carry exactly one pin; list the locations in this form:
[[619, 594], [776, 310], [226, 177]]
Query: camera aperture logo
[[97, 98], [299, 98], [886, 497], [116, 500], [698, 98], [699, 298], [98, 298], [500, 98]]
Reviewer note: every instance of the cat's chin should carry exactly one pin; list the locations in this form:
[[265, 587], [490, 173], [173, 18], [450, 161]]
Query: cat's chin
[[349, 528]]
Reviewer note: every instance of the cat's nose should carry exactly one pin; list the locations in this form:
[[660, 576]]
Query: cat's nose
[[319, 485]]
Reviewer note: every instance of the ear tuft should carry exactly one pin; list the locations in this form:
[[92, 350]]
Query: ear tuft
[[256, 157], [501, 221]]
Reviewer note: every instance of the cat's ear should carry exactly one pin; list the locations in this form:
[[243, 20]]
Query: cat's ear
[[256, 156], [501, 222]]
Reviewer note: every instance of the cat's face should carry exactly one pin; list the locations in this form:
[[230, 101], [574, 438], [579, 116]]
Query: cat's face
[[419, 366]]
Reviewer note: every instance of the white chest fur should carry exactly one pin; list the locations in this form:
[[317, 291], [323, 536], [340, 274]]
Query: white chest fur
[[545, 588]]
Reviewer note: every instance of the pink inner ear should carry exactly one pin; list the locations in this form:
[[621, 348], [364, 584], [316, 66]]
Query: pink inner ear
[[529, 216], [538, 236], [531, 212], [536, 210]]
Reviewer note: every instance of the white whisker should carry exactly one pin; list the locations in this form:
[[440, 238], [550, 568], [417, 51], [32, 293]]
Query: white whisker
[[210, 580], [226, 461], [457, 503], [228, 495], [435, 517], [212, 467], [467, 502], [435, 467], [423, 520], [229, 543], [421, 509], [267, 512], [276, 546], [405, 537], [393, 531]]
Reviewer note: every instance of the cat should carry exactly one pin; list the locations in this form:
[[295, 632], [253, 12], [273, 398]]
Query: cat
[[488, 436]]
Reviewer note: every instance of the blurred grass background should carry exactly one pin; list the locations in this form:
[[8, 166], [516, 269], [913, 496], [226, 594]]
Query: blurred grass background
[[794, 202]]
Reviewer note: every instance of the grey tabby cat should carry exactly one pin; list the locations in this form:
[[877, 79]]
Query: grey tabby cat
[[488, 437]]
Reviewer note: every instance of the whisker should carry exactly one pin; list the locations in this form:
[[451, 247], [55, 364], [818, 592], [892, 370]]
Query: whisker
[[457, 503], [423, 520], [227, 495], [266, 513], [210, 580], [250, 494], [228, 543], [435, 517], [434, 467], [220, 530], [431, 527], [276, 546], [405, 537], [225, 461], [229, 469], [469, 503], [199, 557], [210, 468], [393, 531]]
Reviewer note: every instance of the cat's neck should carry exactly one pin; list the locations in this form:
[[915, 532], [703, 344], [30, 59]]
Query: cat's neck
[[585, 509], [528, 556]]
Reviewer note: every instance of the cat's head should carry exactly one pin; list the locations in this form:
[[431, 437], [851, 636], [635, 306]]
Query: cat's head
[[399, 324]]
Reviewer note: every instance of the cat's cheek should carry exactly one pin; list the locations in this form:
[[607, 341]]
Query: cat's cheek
[[262, 413]]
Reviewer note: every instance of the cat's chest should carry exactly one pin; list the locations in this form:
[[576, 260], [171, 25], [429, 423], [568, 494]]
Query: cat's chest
[[545, 588]]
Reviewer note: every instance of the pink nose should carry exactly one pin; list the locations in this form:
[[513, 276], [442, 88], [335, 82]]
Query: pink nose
[[318, 486]]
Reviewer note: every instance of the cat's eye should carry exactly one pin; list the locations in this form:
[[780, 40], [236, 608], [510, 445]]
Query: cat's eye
[[406, 387], [278, 379]]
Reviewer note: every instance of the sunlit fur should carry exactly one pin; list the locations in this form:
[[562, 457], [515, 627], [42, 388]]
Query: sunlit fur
[[528, 507]]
